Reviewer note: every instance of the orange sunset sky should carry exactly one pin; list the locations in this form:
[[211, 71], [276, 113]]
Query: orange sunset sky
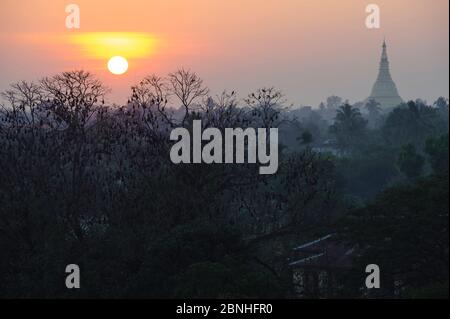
[[309, 49]]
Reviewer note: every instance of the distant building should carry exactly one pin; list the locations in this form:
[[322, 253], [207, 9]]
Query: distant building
[[384, 90], [317, 267]]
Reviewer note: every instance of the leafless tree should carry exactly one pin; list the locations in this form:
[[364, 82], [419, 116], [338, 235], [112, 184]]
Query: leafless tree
[[188, 87], [24, 104], [266, 106], [223, 111], [74, 97], [151, 97]]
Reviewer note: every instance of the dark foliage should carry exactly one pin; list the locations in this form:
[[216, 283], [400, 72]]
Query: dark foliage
[[86, 183]]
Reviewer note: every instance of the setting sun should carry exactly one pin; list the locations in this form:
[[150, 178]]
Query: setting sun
[[117, 65]]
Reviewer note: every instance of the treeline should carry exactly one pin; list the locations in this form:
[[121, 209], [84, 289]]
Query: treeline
[[92, 184], [373, 147]]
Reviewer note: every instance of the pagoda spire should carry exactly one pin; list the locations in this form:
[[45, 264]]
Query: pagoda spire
[[384, 73], [384, 90]]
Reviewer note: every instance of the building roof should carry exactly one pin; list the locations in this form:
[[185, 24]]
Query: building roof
[[322, 253]]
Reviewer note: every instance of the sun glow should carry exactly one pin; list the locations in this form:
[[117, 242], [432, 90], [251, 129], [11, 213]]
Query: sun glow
[[103, 45]]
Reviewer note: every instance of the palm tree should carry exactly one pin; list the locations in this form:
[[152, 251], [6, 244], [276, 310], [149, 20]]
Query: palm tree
[[348, 116], [373, 107], [348, 126], [374, 117]]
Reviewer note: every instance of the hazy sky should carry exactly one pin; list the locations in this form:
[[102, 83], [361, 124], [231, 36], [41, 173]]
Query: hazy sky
[[308, 48]]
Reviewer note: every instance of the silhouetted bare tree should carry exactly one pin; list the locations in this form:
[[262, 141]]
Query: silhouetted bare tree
[[188, 87]]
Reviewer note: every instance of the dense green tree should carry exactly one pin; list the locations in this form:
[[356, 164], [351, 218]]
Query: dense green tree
[[410, 163], [413, 123], [405, 232], [437, 150], [349, 127], [306, 138], [441, 103]]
